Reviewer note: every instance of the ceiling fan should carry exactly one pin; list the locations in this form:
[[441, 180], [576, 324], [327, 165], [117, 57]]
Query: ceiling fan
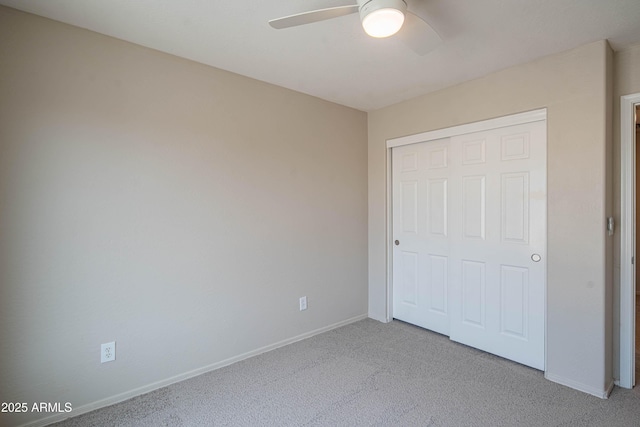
[[380, 18]]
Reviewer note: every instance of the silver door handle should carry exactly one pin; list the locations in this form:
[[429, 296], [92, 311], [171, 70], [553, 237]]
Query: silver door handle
[[397, 242], [536, 258]]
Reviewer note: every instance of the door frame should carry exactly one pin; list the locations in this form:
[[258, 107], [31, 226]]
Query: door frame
[[627, 239], [484, 125]]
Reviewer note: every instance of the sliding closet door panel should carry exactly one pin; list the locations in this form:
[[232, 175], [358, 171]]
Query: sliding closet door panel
[[420, 247], [498, 241]]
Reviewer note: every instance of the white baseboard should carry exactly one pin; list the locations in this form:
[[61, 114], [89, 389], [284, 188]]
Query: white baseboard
[[609, 388], [602, 394], [184, 376]]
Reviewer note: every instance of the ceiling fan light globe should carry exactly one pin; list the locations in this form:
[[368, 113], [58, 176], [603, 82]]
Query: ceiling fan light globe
[[383, 22]]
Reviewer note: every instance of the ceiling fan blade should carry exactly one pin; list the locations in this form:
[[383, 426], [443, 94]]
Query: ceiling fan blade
[[313, 16], [418, 35]]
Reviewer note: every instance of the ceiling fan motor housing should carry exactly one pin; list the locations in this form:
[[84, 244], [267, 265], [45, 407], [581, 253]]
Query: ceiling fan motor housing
[[368, 6]]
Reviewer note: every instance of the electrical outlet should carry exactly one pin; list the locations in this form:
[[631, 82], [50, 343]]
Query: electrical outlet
[[108, 352], [303, 303]]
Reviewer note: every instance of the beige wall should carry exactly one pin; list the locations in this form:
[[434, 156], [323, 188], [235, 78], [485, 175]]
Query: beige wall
[[626, 82], [574, 88], [175, 208]]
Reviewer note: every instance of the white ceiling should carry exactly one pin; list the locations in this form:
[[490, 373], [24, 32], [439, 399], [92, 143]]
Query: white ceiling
[[334, 59]]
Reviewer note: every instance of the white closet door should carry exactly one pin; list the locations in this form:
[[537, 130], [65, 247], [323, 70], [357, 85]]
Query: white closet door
[[470, 219], [421, 243], [499, 243]]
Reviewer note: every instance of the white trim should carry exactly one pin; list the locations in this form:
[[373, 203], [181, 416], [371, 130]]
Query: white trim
[[184, 376], [500, 122], [388, 246], [627, 240], [602, 394]]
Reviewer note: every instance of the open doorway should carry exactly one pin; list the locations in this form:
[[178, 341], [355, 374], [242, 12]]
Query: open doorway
[[629, 362]]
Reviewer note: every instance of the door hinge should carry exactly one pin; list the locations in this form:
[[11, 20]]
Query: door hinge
[[632, 259]]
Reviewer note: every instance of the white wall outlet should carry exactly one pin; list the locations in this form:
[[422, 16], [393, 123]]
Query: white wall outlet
[[303, 303], [108, 352]]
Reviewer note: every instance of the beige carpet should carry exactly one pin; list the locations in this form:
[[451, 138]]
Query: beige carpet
[[371, 374]]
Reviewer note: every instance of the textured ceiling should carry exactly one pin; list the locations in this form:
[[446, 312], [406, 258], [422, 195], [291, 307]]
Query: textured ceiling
[[334, 59]]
